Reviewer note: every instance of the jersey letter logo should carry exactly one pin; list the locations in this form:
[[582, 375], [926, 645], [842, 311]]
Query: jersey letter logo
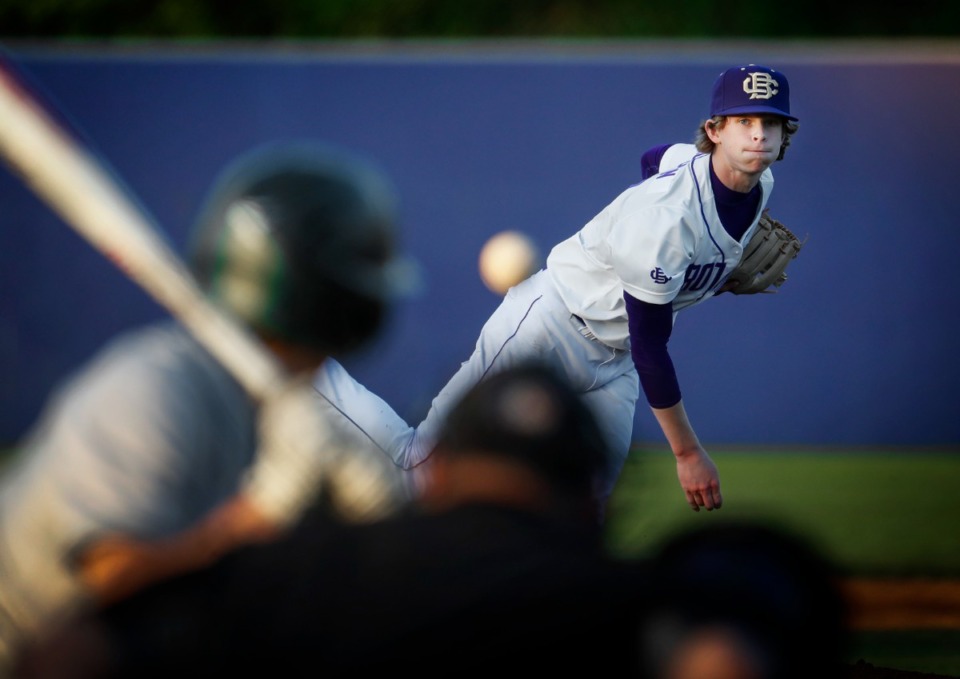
[[699, 276], [760, 86], [659, 276]]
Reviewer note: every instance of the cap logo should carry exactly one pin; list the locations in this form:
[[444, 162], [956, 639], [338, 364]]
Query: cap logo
[[760, 86]]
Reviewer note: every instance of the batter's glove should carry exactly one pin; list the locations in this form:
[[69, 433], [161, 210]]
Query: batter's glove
[[300, 458], [765, 258]]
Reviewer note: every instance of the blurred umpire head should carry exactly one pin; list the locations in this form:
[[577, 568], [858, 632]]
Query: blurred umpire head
[[297, 240], [521, 436], [758, 595]]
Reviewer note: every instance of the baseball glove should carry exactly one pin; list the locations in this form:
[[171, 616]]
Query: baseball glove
[[765, 258]]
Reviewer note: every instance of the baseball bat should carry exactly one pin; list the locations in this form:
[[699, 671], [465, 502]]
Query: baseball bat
[[78, 184]]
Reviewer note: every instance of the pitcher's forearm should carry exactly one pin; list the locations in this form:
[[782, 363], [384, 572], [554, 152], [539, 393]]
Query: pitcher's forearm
[[677, 429]]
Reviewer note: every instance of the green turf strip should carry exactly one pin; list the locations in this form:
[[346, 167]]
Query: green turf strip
[[933, 651], [882, 513]]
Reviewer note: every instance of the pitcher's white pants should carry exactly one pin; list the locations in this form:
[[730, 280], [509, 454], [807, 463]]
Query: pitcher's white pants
[[532, 322]]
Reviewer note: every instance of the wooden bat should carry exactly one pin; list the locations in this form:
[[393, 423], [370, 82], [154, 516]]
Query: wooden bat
[[77, 183]]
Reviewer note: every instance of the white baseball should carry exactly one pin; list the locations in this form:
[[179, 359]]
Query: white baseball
[[506, 259]]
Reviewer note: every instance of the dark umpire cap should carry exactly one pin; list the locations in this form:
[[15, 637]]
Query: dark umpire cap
[[751, 89], [530, 414]]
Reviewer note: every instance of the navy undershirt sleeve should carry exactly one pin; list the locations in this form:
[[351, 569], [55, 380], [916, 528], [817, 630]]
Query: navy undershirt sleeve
[[650, 328], [650, 160]]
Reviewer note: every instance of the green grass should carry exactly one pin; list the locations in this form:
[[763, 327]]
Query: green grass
[[933, 651], [882, 513]]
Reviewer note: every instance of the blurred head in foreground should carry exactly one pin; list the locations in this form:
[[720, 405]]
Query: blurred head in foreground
[[521, 436], [744, 600]]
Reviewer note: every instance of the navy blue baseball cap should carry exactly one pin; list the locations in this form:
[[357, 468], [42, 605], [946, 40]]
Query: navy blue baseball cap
[[751, 89]]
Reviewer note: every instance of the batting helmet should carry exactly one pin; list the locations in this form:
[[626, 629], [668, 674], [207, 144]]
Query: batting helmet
[[297, 240]]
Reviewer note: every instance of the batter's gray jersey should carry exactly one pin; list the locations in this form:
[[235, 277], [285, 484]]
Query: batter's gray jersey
[[144, 441]]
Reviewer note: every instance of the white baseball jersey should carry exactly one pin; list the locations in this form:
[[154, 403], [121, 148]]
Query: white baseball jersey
[[660, 241]]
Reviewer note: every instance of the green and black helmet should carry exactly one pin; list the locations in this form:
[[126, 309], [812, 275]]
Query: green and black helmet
[[297, 240]]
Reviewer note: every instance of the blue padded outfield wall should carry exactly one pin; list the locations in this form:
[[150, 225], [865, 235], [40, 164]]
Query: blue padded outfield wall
[[858, 348]]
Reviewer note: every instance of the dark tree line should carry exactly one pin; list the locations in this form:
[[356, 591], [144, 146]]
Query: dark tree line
[[409, 19]]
